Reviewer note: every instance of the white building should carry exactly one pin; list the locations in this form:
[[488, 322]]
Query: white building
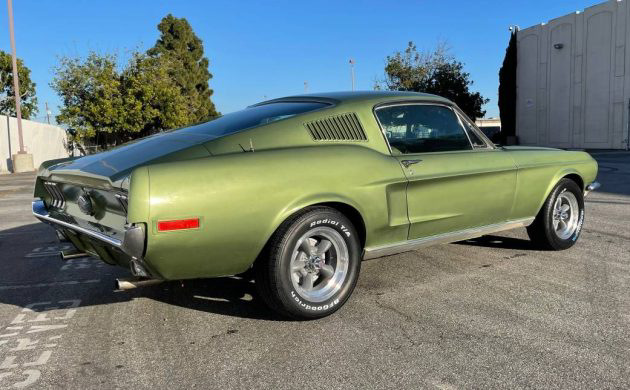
[[44, 142], [491, 127], [573, 80]]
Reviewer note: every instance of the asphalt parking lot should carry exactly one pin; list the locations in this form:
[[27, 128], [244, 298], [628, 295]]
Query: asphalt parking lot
[[490, 312]]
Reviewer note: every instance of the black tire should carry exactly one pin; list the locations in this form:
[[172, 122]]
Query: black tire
[[547, 235], [287, 291]]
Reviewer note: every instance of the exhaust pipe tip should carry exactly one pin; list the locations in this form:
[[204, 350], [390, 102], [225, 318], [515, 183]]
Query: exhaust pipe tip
[[122, 285], [125, 284]]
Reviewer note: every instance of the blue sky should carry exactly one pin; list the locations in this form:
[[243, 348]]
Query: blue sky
[[261, 50]]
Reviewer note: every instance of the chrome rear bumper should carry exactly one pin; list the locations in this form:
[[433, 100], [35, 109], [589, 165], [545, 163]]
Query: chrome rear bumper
[[132, 244]]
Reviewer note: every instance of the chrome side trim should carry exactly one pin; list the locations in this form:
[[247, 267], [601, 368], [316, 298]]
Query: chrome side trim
[[591, 187], [405, 246], [40, 212]]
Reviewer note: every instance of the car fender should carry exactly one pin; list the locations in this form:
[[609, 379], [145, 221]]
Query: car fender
[[312, 200], [540, 170], [554, 181]]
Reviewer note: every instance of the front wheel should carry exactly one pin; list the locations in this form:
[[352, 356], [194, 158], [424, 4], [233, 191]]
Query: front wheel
[[559, 223], [311, 264]]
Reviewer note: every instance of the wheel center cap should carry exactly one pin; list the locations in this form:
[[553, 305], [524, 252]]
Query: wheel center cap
[[315, 263]]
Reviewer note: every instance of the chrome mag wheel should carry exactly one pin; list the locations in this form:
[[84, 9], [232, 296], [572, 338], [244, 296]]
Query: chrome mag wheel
[[565, 215], [319, 264]]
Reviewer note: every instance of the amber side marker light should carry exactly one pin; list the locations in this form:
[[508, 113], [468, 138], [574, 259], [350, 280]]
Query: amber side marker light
[[178, 224]]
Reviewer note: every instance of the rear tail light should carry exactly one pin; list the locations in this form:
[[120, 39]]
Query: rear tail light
[[178, 224]]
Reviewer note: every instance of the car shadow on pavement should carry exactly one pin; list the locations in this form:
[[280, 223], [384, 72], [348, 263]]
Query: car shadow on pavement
[[492, 241], [234, 296], [31, 270]]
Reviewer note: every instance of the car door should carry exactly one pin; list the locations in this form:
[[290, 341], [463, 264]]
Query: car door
[[456, 179]]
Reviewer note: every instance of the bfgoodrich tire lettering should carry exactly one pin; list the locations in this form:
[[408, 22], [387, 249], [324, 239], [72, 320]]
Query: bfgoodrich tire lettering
[[311, 264], [559, 223]]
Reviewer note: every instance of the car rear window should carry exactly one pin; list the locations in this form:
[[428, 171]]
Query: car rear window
[[254, 116]]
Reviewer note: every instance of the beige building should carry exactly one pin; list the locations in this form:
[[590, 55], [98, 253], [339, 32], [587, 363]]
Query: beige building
[[573, 80], [43, 141]]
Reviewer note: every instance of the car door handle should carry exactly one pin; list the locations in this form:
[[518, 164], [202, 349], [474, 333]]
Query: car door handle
[[407, 163]]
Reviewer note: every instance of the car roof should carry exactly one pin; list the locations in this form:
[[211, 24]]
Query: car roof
[[374, 97]]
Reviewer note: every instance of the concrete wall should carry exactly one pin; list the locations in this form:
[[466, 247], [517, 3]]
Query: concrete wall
[[576, 95], [43, 141]]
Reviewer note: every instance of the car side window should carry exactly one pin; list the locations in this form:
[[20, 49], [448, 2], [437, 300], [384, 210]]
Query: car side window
[[476, 141], [422, 128]]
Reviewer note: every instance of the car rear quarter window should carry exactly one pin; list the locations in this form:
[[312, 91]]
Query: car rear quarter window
[[422, 128], [254, 116]]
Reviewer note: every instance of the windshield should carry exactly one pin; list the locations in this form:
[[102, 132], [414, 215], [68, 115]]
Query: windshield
[[253, 116]]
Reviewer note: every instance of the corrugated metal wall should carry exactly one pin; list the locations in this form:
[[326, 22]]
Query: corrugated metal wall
[[573, 80]]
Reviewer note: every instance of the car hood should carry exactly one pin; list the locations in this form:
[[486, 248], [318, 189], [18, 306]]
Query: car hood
[[117, 163]]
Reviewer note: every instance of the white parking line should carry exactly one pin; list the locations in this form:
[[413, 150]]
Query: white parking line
[[48, 251], [52, 284], [33, 350]]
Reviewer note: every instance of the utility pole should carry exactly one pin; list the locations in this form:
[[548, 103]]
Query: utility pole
[[16, 81], [47, 113], [352, 71], [305, 86], [22, 161]]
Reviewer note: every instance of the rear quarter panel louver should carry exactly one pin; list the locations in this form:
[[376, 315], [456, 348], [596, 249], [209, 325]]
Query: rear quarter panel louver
[[344, 127]]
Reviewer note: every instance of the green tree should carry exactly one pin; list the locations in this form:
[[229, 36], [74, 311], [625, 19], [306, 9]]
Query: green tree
[[507, 90], [28, 101], [183, 51], [153, 100], [91, 97], [435, 72], [106, 106]]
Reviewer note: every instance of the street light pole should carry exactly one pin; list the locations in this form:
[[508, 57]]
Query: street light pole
[[16, 81], [47, 113], [352, 71]]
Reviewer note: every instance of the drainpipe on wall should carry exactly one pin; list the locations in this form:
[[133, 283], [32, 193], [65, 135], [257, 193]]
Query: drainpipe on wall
[[628, 128]]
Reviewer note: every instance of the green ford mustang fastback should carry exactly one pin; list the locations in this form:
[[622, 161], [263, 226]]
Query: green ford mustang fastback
[[301, 189]]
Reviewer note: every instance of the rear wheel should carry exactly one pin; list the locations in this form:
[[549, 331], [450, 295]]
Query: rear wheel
[[559, 223], [311, 264]]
